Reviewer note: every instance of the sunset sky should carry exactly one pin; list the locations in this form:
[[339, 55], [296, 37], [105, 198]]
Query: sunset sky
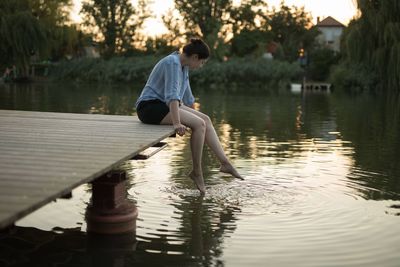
[[341, 10]]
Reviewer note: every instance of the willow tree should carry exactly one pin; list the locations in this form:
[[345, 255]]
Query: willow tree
[[114, 22], [21, 34], [34, 27], [373, 41], [54, 17]]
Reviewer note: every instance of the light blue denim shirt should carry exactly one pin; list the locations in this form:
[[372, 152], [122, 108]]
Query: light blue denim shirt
[[168, 81]]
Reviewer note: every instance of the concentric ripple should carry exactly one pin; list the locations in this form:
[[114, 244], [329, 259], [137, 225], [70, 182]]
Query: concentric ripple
[[309, 210]]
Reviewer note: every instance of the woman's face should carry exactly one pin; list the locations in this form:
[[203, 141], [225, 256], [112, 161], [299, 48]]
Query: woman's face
[[195, 62]]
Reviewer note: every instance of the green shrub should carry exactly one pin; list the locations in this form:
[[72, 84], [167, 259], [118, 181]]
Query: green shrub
[[262, 72], [353, 78], [118, 69], [247, 71], [321, 61]]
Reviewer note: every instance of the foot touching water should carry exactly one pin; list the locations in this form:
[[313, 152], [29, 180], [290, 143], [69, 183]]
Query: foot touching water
[[198, 180], [228, 168]]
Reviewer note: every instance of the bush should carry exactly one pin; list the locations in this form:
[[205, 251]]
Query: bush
[[353, 78], [247, 71], [321, 61], [259, 71], [118, 69]]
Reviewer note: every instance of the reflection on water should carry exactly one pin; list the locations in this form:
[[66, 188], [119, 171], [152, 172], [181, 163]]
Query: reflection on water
[[322, 187], [71, 98]]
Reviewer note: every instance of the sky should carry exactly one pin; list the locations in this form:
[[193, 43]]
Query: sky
[[341, 10]]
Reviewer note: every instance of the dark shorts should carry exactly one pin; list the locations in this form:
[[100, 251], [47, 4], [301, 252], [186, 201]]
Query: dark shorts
[[152, 111]]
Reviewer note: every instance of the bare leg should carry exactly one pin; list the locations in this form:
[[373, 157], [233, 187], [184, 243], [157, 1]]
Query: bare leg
[[213, 142], [198, 127]]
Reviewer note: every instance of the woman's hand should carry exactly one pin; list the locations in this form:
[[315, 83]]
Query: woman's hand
[[180, 129]]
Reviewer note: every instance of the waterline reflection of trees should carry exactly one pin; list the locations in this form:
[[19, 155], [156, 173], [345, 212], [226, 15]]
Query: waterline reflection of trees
[[286, 128], [373, 127], [251, 126], [69, 97]]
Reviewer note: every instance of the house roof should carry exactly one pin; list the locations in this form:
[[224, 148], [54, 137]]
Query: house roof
[[329, 22]]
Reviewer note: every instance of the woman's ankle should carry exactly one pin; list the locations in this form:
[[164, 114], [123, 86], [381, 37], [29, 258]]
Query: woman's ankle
[[197, 173], [199, 181]]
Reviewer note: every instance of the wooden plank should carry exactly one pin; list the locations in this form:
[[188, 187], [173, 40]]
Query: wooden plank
[[150, 151], [45, 155], [59, 116]]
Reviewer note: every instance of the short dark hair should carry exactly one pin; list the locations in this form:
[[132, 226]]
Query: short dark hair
[[198, 47]]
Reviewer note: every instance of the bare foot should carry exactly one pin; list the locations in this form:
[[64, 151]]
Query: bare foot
[[228, 168], [198, 180]]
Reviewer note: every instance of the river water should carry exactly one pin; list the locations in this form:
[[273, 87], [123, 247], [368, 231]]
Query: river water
[[321, 188]]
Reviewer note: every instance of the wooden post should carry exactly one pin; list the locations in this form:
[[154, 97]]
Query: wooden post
[[110, 212]]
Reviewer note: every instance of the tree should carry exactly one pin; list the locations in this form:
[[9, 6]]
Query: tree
[[21, 34], [203, 17], [373, 41], [248, 41], [114, 21], [321, 61], [53, 16], [244, 16], [212, 19], [290, 26], [34, 27]]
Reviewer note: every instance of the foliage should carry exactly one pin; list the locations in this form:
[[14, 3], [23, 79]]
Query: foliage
[[373, 41], [34, 28], [289, 27], [53, 16], [247, 71], [352, 78], [245, 16], [249, 41], [137, 69], [51, 12], [21, 34], [117, 69], [114, 21], [211, 19], [159, 46], [321, 60], [203, 18]]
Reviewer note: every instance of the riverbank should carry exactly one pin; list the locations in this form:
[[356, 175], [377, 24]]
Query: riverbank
[[259, 72]]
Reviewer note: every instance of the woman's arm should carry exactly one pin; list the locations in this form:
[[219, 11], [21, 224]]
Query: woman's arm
[[174, 109], [188, 98], [176, 121]]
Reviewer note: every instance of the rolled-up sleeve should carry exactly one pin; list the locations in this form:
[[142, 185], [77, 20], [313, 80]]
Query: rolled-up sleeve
[[188, 98], [172, 87]]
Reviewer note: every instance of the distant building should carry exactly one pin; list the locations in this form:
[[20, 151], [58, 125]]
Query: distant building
[[331, 31]]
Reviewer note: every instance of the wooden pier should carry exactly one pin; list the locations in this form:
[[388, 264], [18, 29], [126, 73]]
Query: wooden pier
[[317, 86], [43, 156], [311, 87]]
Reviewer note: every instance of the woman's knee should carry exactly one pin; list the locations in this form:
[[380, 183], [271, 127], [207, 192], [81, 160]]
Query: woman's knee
[[207, 120], [193, 122], [199, 124]]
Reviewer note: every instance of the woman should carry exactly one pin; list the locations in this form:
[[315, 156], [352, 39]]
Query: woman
[[167, 98]]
